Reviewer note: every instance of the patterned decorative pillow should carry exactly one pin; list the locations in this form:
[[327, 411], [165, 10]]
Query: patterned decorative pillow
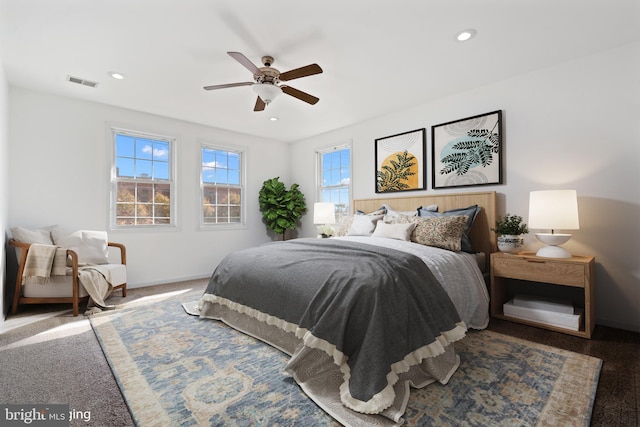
[[470, 213], [441, 232], [344, 225]]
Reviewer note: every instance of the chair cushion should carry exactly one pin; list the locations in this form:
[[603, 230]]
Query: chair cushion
[[116, 272], [56, 287], [60, 286]]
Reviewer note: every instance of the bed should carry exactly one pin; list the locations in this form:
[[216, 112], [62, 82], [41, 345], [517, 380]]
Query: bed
[[366, 314]]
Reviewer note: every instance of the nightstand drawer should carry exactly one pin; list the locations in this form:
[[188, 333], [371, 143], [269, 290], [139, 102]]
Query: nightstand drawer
[[540, 270]]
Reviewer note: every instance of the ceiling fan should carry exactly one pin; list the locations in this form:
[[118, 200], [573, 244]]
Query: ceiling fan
[[267, 79]]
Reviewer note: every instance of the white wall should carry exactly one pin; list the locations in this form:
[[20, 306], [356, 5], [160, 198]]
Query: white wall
[[59, 172], [4, 182], [573, 126]]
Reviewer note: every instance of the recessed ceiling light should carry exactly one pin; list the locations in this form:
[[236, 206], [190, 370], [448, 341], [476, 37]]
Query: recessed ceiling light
[[465, 35], [116, 75], [273, 119]]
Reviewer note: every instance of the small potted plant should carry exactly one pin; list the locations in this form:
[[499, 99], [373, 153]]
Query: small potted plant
[[510, 229]]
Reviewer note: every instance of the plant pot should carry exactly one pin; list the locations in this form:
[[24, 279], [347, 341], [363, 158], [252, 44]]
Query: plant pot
[[510, 243]]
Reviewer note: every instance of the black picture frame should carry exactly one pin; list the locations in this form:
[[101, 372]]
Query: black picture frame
[[400, 162], [467, 152]]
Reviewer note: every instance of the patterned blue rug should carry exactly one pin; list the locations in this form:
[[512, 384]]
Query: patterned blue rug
[[178, 370]]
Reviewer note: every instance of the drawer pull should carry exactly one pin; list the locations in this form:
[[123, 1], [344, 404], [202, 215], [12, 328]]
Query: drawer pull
[[539, 261]]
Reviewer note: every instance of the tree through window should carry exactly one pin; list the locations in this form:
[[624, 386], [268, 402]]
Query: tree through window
[[142, 180], [222, 186]]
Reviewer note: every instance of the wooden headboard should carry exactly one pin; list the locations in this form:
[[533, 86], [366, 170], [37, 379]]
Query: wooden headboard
[[482, 238]]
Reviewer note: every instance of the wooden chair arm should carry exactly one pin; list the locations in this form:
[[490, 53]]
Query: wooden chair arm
[[123, 251], [17, 244], [23, 256]]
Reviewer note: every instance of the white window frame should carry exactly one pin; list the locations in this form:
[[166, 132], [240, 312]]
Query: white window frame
[[113, 225], [319, 184], [242, 152]]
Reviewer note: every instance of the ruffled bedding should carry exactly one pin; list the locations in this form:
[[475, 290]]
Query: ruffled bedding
[[364, 318]]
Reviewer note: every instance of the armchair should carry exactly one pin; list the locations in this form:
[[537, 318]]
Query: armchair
[[63, 289]]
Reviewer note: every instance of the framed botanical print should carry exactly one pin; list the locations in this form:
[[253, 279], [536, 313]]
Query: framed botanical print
[[400, 162], [467, 152]]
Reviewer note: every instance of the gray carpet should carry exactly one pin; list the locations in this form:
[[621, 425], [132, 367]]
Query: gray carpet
[[57, 360]]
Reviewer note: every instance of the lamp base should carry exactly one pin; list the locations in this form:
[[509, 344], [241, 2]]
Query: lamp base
[[553, 252]]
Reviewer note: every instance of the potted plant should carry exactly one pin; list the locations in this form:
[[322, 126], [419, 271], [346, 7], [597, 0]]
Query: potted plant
[[281, 208], [510, 229]]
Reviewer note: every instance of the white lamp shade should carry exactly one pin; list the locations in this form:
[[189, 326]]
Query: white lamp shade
[[266, 91], [324, 213], [554, 210]]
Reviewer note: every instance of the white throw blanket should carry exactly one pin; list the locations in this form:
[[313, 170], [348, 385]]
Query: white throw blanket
[[44, 261], [97, 282]]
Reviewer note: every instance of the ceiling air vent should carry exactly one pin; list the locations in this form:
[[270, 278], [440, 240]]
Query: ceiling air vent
[[82, 82]]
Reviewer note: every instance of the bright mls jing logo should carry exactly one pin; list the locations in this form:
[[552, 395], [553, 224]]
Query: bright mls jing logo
[[34, 415]]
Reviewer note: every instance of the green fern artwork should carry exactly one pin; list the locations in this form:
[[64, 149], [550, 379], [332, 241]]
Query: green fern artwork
[[397, 172], [467, 152]]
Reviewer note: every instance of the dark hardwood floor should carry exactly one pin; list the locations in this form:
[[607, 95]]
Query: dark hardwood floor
[[617, 400]]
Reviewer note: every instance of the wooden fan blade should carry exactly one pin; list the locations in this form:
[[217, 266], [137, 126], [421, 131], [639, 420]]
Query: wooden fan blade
[[228, 85], [309, 70], [303, 96], [259, 105], [247, 64]]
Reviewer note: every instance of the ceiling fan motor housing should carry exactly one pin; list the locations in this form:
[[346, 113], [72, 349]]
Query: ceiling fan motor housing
[[269, 76]]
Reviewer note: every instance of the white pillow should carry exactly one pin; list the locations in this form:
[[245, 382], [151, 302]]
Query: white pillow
[[91, 246], [363, 225], [25, 235], [394, 231]]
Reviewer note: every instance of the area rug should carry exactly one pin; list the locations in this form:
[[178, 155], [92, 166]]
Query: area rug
[[175, 369]]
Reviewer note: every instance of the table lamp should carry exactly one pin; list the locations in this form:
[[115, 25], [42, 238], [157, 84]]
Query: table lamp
[[553, 209], [323, 214]]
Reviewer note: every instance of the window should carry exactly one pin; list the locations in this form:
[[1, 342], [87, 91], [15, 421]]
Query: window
[[222, 185], [142, 180], [335, 178]]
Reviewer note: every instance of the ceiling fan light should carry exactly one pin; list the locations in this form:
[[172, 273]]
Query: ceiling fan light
[[266, 91], [465, 35]]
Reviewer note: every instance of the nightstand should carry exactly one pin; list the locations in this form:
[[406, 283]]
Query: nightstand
[[573, 276]]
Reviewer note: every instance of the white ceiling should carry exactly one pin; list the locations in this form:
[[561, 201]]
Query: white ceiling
[[377, 56]]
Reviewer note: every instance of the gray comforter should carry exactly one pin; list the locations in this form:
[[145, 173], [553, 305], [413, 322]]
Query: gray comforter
[[376, 311]]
